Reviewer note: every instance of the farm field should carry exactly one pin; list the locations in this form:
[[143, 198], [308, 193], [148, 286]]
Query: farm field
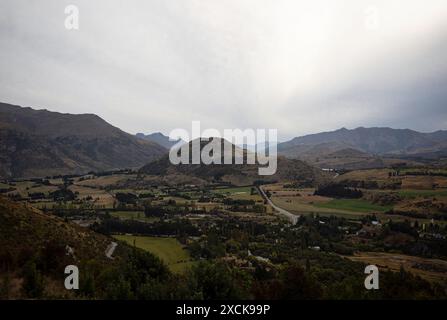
[[429, 269], [239, 193], [366, 175], [355, 205], [23, 188], [390, 176], [303, 201], [423, 193], [100, 197], [232, 190], [4, 185], [103, 181], [133, 215], [167, 249], [299, 206]]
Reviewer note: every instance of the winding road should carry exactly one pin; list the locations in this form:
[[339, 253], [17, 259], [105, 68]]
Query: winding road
[[293, 218], [110, 250]]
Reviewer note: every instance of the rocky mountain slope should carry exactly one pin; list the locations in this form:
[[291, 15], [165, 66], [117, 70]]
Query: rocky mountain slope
[[291, 170], [35, 143], [363, 148]]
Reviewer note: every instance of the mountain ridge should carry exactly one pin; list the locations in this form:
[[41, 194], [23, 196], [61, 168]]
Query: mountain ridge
[[291, 170], [159, 138], [36, 143], [374, 140]]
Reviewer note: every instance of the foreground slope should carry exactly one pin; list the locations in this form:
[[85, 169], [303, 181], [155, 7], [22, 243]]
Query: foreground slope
[[37, 143], [24, 229], [36, 247]]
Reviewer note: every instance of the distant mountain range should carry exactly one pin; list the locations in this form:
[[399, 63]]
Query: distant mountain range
[[365, 147], [36, 143], [158, 138]]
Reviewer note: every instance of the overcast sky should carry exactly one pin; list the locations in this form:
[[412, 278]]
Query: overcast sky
[[298, 66]]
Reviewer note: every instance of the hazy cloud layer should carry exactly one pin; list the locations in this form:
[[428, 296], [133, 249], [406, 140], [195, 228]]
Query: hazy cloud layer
[[299, 66]]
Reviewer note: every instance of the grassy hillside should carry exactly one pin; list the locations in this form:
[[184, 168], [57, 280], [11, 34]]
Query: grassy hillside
[[23, 227], [169, 250], [35, 248]]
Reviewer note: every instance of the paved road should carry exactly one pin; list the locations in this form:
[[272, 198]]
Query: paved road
[[293, 218], [111, 249]]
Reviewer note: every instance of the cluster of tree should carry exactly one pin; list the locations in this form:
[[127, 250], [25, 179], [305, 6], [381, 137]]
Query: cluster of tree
[[40, 182], [6, 190], [243, 205], [238, 202], [426, 173], [146, 195], [361, 184], [212, 247], [420, 215], [305, 183], [60, 176], [63, 194], [111, 173], [394, 173], [178, 227], [416, 245], [169, 210], [258, 208], [66, 213], [336, 190], [391, 184], [202, 199], [126, 198], [36, 195], [33, 266], [403, 227], [138, 279]]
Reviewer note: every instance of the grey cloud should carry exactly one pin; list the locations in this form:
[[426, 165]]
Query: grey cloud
[[299, 66]]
